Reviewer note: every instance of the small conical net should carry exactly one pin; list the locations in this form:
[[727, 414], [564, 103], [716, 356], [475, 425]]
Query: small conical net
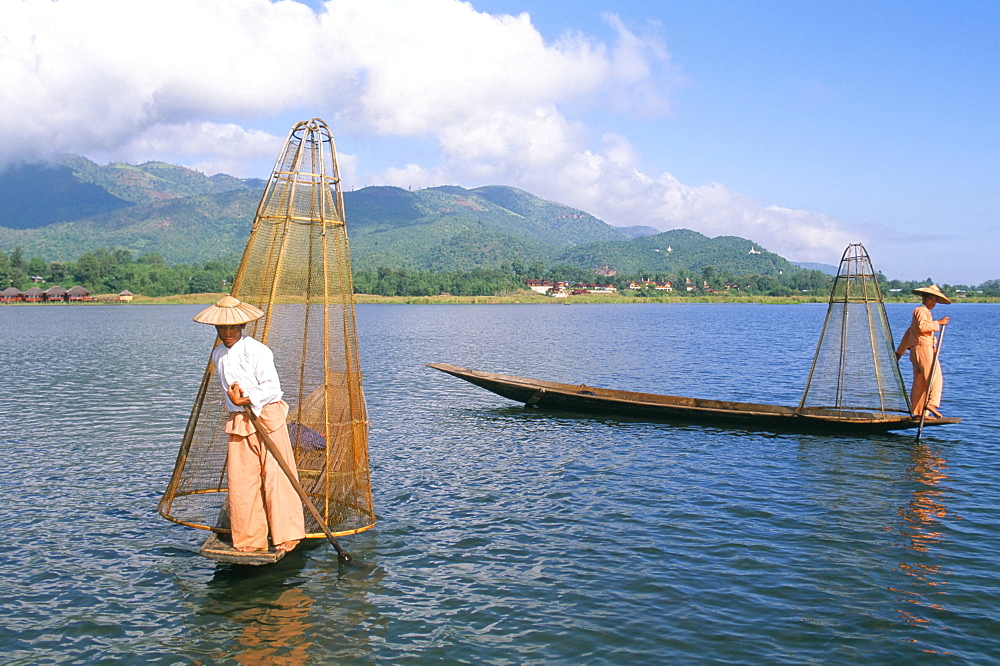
[[854, 371], [296, 268]]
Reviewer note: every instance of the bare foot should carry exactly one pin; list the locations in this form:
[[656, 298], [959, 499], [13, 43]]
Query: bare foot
[[287, 546], [935, 412]]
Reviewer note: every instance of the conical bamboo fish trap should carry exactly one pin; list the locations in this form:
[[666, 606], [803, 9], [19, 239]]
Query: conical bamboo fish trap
[[855, 369], [296, 268]]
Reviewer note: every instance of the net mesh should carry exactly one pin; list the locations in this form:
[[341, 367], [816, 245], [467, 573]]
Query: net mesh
[[296, 268], [854, 371]]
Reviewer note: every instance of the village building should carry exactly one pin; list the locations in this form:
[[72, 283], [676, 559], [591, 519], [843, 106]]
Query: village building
[[541, 286], [77, 294], [563, 289], [56, 294], [11, 295], [34, 295], [651, 284]]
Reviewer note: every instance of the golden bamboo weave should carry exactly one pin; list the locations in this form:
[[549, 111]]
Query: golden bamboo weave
[[296, 268]]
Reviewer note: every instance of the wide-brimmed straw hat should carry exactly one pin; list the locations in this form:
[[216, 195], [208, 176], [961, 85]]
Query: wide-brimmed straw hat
[[933, 291], [228, 310]]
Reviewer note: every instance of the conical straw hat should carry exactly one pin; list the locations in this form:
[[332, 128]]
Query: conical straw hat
[[933, 291], [228, 310]]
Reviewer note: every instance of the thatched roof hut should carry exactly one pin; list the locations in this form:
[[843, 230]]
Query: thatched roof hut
[[55, 293], [34, 295], [125, 295], [78, 293], [11, 294]]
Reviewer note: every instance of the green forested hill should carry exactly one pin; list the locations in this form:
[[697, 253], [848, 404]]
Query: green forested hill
[[187, 217], [182, 230], [154, 182], [452, 228], [677, 251], [35, 196]]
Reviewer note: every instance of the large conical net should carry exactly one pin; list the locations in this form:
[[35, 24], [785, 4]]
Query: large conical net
[[296, 268], [855, 371]]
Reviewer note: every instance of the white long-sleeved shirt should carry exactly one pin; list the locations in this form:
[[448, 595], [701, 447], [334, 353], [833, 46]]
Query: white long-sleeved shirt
[[250, 364]]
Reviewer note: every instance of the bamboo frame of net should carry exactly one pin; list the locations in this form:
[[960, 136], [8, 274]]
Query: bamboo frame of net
[[296, 268], [854, 368]]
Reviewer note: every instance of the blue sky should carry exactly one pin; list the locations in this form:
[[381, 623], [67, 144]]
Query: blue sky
[[802, 126]]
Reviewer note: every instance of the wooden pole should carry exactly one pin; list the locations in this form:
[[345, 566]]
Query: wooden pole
[[342, 554]]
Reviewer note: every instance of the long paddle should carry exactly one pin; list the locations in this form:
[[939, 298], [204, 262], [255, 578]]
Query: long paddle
[[342, 554], [930, 378]]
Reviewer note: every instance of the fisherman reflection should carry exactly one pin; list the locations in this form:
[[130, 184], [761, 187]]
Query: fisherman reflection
[[270, 608], [297, 611], [278, 632], [922, 517]]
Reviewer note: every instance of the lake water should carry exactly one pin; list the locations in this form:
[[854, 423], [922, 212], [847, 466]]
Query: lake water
[[507, 535]]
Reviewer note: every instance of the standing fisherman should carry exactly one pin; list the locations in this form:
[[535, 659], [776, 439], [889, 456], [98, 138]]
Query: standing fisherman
[[925, 394], [262, 500]]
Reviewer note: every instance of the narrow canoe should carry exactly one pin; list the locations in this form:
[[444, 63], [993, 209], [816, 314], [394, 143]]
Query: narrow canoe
[[592, 400]]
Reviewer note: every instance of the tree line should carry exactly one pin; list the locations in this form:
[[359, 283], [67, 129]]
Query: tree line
[[111, 271], [114, 270]]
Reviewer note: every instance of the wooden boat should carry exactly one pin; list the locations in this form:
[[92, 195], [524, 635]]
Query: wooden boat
[[854, 385], [591, 400]]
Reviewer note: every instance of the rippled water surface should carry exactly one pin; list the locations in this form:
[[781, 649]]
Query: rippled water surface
[[506, 535]]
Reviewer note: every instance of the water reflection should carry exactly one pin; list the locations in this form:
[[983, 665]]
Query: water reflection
[[921, 527], [275, 633], [267, 610], [286, 613]]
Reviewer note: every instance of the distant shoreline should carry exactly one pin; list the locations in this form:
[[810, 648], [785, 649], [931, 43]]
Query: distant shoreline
[[520, 298]]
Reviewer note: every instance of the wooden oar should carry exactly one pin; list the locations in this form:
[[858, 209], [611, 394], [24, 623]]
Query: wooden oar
[[342, 554], [930, 378]]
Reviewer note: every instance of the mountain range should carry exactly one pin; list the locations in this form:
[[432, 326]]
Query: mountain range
[[60, 211]]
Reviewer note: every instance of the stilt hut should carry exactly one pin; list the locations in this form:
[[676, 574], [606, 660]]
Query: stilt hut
[[296, 268], [78, 293], [854, 369], [34, 295], [56, 294], [11, 295]]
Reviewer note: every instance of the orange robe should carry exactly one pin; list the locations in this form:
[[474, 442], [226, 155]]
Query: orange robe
[[920, 341], [262, 500]]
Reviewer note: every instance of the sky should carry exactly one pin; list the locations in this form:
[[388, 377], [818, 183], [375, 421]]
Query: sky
[[802, 126]]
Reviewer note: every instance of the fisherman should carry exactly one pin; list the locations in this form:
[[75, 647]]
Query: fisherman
[[925, 393], [262, 500]]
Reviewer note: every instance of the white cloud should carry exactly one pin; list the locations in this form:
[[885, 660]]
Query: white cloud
[[95, 75], [495, 101], [610, 186], [208, 147]]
